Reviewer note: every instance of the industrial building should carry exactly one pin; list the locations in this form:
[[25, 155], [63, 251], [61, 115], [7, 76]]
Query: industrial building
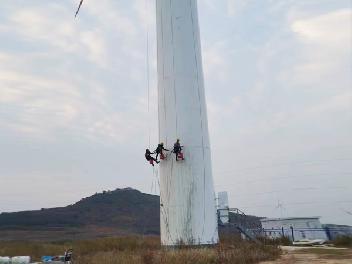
[[335, 231], [295, 228], [233, 220]]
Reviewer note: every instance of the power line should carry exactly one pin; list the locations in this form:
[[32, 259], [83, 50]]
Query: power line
[[283, 164], [246, 181], [347, 212], [298, 204], [291, 189]]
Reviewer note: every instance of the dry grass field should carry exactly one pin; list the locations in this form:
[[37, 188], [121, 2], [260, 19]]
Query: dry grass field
[[314, 256], [145, 250]]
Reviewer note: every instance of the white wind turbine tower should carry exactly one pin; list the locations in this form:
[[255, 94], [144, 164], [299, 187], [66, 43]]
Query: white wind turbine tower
[[188, 206], [187, 200]]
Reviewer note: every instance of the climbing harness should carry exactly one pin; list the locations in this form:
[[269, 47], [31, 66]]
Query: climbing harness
[[180, 156]]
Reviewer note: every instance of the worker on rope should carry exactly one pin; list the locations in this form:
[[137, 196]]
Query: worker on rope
[[178, 150], [68, 256], [148, 157], [159, 151]]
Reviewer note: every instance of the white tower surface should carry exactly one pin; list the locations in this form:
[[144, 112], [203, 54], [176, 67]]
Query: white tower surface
[[188, 206]]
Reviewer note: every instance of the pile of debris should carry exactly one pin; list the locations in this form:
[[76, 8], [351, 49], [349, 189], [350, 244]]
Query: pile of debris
[[65, 259]]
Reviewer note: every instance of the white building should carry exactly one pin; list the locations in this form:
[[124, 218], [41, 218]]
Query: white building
[[295, 228]]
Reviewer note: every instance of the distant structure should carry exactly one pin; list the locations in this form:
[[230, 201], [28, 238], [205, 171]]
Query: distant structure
[[295, 228], [223, 208], [188, 207], [233, 220]]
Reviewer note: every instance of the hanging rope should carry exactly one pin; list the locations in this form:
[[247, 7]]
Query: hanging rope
[[147, 64], [147, 69], [148, 87], [79, 7], [174, 71], [164, 213]]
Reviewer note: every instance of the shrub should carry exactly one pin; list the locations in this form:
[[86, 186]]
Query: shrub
[[281, 241], [343, 241]]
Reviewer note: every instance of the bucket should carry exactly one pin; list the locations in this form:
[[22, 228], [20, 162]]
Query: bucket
[[5, 260]]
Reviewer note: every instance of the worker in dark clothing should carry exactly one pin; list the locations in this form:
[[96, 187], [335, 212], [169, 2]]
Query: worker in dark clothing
[[159, 151], [148, 157], [178, 150], [68, 255]]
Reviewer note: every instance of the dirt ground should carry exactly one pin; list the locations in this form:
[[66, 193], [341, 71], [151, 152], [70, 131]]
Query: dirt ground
[[294, 255]]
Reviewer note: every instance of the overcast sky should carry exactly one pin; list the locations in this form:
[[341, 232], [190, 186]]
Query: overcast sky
[[74, 114]]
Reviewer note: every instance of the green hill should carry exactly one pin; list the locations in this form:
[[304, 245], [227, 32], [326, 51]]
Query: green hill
[[111, 213], [123, 211]]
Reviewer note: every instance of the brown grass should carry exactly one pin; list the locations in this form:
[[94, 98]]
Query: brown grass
[[343, 241], [328, 253], [282, 241], [145, 250]]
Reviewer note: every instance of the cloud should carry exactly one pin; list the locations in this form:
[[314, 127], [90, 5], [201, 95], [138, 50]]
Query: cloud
[[216, 62], [340, 103], [299, 85], [41, 107], [331, 29], [39, 25], [67, 92], [96, 46], [38, 105], [111, 16], [326, 47], [146, 13], [236, 6]]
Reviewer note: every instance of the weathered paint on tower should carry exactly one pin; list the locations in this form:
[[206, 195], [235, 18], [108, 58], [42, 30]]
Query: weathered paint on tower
[[188, 206]]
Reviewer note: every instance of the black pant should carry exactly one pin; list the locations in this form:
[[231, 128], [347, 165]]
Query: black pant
[[176, 154], [157, 154], [151, 158]]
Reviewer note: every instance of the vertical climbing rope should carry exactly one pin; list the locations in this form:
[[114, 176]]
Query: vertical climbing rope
[[163, 68], [164, 214], [148, 75], [173, 67]]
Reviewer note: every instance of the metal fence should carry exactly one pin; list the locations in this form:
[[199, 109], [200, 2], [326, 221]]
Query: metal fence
[[331, 233]]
